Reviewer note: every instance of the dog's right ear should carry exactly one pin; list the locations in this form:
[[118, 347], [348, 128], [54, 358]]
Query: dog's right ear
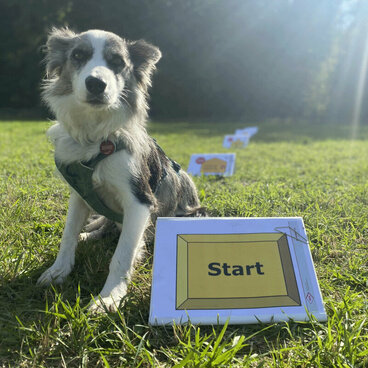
[[144, 57], [58, 43]]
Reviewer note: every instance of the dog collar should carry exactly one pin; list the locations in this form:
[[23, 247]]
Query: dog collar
[[107, 147]]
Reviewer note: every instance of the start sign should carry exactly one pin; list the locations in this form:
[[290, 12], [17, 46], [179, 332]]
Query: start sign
[[235, 271], [248, 270]]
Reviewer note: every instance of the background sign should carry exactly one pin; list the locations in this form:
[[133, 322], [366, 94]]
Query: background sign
[[248, 270], [249, 131], [212, 164], [235, 141]]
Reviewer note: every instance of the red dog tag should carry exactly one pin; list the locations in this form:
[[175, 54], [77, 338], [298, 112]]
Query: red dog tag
[[107, 147]]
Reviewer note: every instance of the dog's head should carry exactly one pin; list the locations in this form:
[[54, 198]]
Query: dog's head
[[98, 70]]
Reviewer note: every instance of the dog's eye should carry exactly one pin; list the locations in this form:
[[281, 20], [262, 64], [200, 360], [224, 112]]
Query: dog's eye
[[117, 61], [79, 55]]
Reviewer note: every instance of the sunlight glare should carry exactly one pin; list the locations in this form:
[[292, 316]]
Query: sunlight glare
[[357, 112]]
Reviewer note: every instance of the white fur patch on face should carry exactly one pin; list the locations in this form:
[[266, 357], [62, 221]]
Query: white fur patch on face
[[97, 67]]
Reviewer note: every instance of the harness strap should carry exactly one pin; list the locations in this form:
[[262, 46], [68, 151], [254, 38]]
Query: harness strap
[[79, 176]]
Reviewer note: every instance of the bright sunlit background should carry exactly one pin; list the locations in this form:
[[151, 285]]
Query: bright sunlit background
[[232, 59]]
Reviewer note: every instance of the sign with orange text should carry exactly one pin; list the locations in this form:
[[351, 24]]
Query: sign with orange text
[[235, 141], [245, 270], [221, 164]]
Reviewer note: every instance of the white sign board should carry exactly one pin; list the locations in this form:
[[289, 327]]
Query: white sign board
[[235, 141], [245, 270], [249, 131], [212, 164]]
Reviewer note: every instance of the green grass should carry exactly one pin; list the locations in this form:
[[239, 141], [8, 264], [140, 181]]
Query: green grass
[[289, 169]]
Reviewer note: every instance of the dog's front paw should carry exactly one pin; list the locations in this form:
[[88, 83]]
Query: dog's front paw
[[98, 229], [103, 305], [55, 274]]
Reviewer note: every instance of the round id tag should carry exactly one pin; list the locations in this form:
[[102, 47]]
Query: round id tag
[[107, 147]]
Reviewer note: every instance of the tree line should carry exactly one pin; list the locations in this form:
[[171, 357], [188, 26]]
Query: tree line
[[232, 59]]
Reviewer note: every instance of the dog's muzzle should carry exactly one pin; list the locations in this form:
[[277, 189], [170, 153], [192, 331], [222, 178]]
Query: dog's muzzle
[[95, 87]]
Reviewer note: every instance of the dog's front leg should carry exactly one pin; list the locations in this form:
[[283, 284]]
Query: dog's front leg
[[136, 217], [78, 212]]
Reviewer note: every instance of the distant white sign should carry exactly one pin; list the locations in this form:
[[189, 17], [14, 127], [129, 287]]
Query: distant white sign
[[249, 131], [235, 141], [212, 164], [245, 270]]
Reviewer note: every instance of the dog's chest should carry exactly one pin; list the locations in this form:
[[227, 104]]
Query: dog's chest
[[110, 178]]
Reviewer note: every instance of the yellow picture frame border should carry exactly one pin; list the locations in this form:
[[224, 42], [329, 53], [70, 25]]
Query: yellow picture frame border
[[183, 302]]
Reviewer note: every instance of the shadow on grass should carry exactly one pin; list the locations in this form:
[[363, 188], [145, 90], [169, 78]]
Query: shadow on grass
[[22, 299], [34, 318], [270, 130]]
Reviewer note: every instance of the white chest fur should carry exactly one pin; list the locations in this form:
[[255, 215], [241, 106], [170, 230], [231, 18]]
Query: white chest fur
[[111, 177]]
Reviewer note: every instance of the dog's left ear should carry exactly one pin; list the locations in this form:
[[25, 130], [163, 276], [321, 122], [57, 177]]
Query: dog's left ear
[[144, 57], [58, 42]]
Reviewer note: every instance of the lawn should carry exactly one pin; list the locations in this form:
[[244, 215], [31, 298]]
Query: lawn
[[289, 169]]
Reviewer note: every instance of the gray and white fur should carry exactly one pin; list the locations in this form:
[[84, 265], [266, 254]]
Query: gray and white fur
[[96, 84]]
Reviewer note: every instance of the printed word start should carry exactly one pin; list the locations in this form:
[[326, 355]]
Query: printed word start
[[216, 269]]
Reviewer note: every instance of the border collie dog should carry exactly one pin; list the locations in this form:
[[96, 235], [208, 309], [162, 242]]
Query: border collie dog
[[96, 84]]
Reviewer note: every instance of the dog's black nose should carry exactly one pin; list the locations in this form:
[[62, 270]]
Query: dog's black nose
[[95, 85]]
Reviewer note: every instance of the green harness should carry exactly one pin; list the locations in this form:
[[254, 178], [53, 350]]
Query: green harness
[[79, 177]]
